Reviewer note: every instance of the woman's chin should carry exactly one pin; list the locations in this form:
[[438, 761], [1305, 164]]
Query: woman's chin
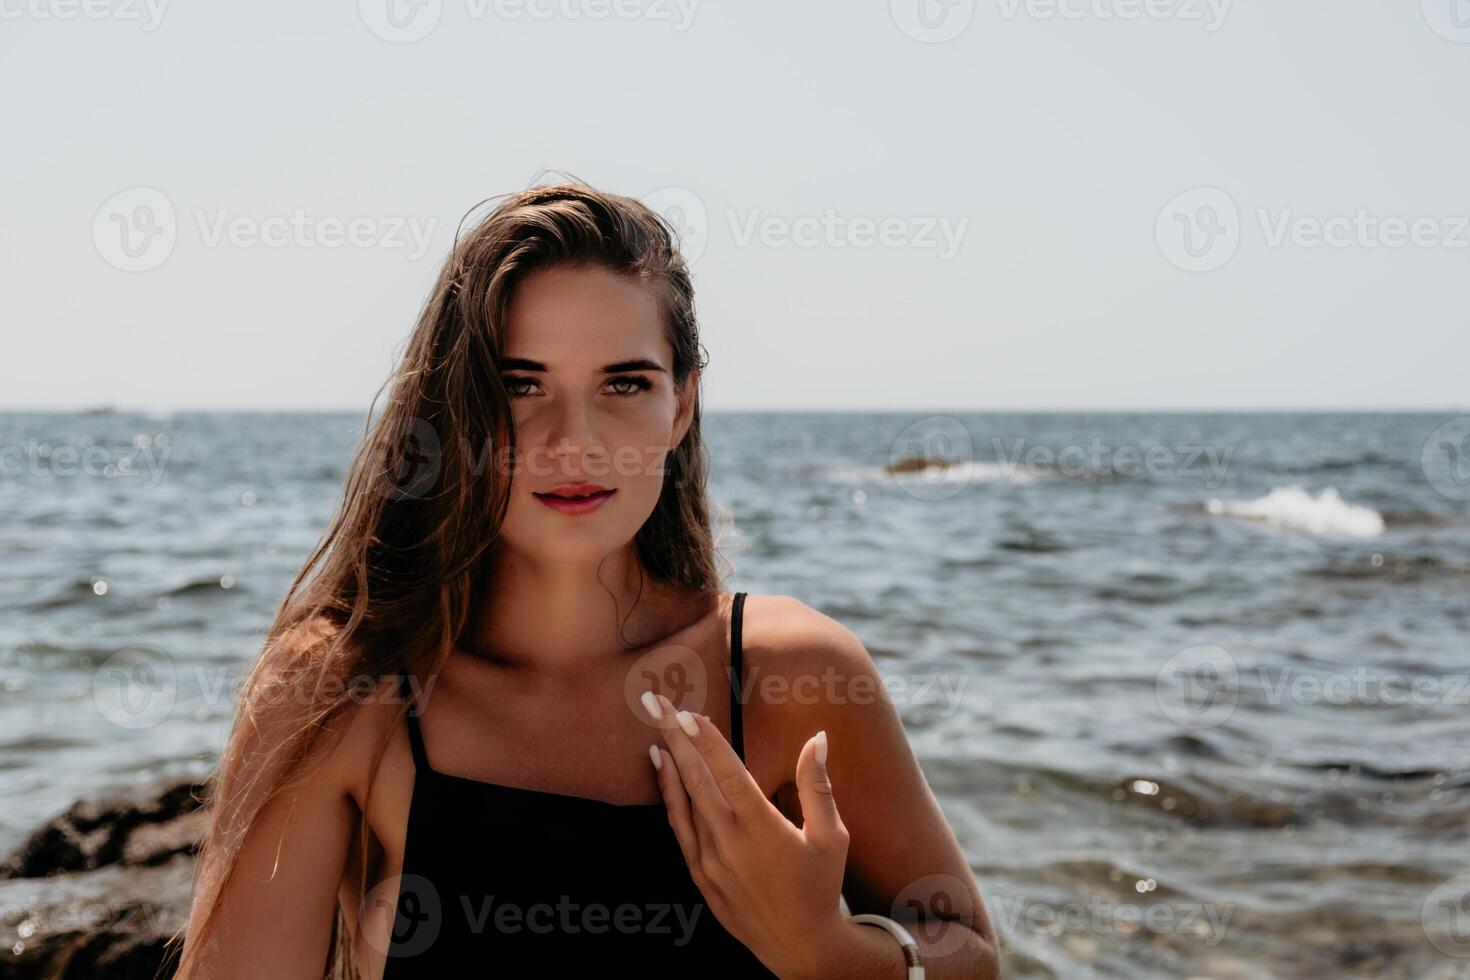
[[569, 545]]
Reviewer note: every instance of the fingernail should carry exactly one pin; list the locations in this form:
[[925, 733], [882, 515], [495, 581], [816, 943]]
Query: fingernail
[[651, 703], [686, 721], [822, 746], [658, 762]]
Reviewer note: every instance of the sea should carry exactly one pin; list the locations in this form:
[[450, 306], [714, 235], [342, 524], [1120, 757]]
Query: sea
[[1193, 690]]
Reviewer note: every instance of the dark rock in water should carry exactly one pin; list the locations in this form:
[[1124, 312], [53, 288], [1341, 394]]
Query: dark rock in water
[[98, 890], [914, 464]]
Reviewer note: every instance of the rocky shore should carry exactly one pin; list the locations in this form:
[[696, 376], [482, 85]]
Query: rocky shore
[[98, 890]]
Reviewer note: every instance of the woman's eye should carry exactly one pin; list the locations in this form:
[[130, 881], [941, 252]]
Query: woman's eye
[[638, 383], [513, 385], [518, 387]]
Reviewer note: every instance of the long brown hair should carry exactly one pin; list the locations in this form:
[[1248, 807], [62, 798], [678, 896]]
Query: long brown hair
[[391, 582]]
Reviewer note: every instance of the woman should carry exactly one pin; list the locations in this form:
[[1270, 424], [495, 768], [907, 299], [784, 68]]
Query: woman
[[506, 718]]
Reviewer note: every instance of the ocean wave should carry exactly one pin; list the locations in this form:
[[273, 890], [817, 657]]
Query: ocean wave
[[210, 586], [1027, 538], [1405, 569], [926, 473], [929, 472], [1370, 457], [1294, 508], [70, 593]]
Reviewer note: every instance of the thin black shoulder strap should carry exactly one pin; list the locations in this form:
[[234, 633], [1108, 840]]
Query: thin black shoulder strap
[[737, 678], [415, 737]]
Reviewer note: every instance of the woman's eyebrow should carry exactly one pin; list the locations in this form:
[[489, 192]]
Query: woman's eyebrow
[[635, 364]]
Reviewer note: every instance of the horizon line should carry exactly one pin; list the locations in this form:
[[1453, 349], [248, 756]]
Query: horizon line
[[110, 409]]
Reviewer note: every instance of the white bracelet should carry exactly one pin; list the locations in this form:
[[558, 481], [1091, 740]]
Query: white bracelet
[[910, 948]]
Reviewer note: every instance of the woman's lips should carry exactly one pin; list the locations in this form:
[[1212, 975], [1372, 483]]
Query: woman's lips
[[575, 505]]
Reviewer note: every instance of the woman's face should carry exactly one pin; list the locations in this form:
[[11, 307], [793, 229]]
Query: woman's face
[[588, 373]]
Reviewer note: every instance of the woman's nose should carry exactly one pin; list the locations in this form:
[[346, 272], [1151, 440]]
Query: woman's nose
[[573, 437]]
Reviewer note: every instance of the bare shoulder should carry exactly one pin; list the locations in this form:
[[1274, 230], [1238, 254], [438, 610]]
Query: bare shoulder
[[784, 637], [375, 721], [367, 710], [806, 672]]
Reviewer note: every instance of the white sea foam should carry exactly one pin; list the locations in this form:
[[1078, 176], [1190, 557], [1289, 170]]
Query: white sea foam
[[1294, 508]]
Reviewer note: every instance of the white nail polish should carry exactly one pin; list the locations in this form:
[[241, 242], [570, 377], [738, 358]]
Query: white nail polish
[[686, 721], [822, 746], [658, 762], [651, 703]]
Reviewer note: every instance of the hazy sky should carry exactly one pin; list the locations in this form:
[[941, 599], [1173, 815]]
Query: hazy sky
[[998, 203]]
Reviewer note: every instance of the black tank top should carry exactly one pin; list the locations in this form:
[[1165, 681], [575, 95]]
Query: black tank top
[[500, 880]]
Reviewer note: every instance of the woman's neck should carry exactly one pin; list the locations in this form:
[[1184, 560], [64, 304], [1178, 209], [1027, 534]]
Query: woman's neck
[[562, 619]]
